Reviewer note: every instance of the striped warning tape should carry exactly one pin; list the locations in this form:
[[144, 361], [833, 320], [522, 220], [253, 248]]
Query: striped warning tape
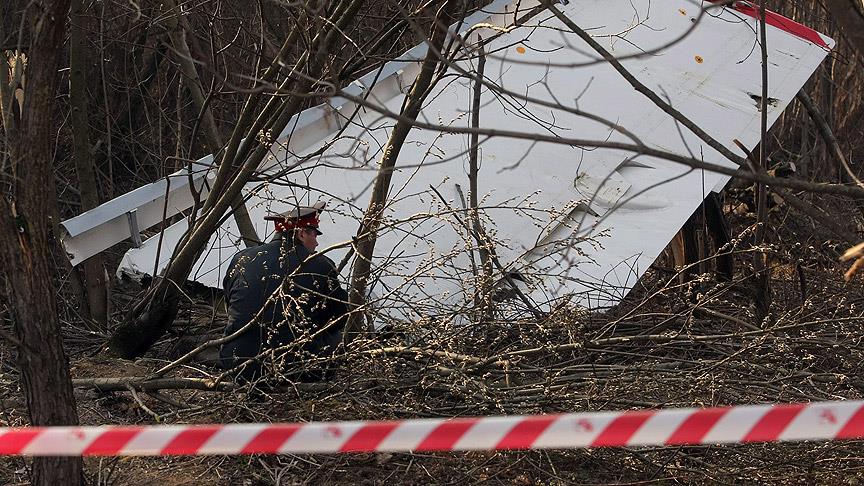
[[756, 423]]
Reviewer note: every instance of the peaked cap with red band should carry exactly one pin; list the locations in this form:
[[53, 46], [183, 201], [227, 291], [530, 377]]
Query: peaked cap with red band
[[299, 217]]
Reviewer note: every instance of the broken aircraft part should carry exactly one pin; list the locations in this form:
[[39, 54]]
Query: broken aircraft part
[[574, 220]]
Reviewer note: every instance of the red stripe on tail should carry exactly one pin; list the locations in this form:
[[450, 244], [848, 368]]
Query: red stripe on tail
[[783, 23]]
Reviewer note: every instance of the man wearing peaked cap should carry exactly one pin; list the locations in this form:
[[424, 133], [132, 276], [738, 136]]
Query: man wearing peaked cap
[[299, 217], [291, 297]]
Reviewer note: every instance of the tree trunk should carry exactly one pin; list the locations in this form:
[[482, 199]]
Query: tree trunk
[[96, 283], [762, 296], [704, 233], [368, 232], [24, 242], [483, 280]]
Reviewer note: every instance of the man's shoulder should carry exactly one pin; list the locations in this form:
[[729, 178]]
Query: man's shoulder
[[321, 263], [253, 251], [251, 257], [327, 259]]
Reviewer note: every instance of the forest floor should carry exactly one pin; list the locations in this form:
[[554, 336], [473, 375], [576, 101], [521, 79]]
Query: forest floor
[[808, 348]]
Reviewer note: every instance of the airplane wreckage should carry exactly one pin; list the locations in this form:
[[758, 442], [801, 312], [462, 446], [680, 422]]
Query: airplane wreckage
[[569, 220]]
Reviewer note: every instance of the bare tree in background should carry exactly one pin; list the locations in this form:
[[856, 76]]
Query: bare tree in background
[[25, 210], [95, 276], [249, 143], [849, 15]]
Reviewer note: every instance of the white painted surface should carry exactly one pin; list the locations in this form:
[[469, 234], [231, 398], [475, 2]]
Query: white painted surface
[[536, 192], [106, 225]]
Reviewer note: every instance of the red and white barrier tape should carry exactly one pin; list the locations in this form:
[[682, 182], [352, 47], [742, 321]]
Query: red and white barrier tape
[[759, 423]]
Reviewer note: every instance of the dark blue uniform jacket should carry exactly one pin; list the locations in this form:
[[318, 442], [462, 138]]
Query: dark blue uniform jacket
[[299, 297]]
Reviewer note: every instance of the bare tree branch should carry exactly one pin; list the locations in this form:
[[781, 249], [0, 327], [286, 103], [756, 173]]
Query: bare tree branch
[[849, 15]]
